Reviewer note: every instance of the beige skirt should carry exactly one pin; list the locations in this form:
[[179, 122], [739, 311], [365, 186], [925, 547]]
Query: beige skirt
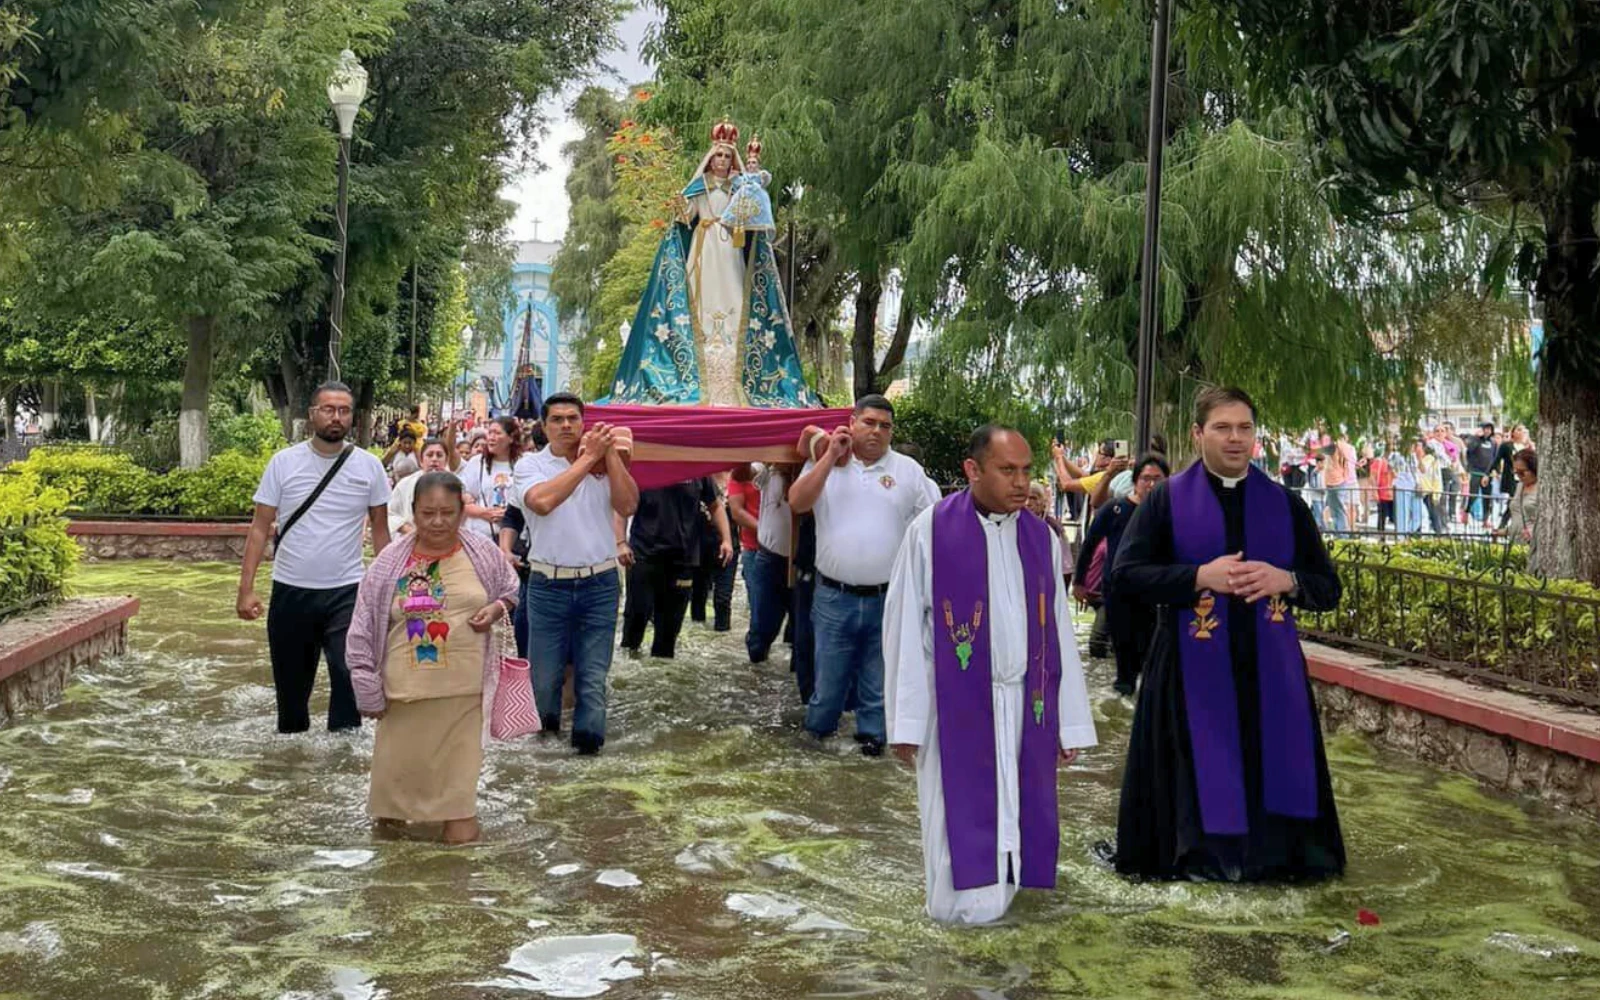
[[426, 759]]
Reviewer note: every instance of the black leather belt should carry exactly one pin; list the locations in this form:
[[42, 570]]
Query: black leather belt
[[854, 589]]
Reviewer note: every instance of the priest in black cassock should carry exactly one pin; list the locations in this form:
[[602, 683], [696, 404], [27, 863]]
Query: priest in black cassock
[[1226, 777]]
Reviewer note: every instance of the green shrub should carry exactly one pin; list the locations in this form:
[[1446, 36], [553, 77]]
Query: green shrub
[[1466, 554], [36, 554], [249, 433], [225, 486], [100, 481]]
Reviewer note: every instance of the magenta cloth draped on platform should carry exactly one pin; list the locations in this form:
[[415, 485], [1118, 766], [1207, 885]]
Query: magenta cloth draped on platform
[[675, 443]]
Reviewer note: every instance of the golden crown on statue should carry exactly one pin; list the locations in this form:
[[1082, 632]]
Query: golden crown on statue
[[725, 131]]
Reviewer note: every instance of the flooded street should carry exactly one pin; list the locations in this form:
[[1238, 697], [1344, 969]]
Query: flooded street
[[158, 839]]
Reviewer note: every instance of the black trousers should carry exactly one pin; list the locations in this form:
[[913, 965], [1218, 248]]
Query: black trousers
[[658, 595], [302, 626], [714, 581]]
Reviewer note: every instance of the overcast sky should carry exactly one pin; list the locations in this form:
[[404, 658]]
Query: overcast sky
[[541, 197]]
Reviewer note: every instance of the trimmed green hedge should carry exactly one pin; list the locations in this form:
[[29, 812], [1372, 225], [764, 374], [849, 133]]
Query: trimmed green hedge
[[36, 555], [100, 481]]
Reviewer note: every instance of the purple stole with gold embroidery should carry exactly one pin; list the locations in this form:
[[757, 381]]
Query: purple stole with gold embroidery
[[1288, 754], [962, 620]]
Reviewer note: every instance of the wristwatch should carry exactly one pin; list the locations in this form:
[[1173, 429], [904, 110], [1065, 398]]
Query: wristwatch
[[1294, 585]]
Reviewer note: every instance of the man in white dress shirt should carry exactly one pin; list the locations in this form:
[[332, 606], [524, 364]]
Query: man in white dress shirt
[[569, 492], [863, 495], [985, 687]]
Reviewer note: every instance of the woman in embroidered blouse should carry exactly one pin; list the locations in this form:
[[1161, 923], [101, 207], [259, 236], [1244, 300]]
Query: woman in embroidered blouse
[[421, 662]]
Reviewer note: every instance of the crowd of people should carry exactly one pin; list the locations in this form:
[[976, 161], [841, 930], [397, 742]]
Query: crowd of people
[[1437, 481], [943, 624]]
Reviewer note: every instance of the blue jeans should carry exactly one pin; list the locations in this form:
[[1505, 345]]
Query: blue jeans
[[1407, 507], [1341, 518], [572, 621], [849, 638], [767, 578]]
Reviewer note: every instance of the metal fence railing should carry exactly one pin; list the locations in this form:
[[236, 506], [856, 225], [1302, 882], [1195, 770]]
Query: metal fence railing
[[1540, 640], [1410, 513]]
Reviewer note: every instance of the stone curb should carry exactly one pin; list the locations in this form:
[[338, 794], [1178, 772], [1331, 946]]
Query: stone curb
[[1563, 730], [112, 615], [173, 529]]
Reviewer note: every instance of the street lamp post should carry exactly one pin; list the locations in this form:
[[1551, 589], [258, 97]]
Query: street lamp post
[[796, 192], [346, 89], [1150, 261]]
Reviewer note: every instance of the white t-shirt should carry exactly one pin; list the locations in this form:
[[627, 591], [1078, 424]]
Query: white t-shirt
[[576, 533], [323, 549], [772, 526], [862, 514], [487, 489]]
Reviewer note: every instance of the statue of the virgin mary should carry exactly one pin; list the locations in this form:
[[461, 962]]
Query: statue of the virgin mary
[[712, 327]]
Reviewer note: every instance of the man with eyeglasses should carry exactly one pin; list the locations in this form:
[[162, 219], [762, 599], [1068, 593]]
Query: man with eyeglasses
[[863, 496], [318, 494]]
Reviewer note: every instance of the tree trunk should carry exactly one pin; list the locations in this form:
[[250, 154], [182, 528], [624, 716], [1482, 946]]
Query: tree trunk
[[91, 415], [864, 337], [1567, 526], [895, 356], [194, 432], [49, 406], [363, 415]]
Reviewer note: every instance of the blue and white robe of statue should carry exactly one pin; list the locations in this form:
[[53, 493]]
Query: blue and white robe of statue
[[712, 328], [750, 208]]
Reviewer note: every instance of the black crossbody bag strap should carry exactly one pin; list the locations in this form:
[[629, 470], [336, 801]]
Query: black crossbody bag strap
[[327, 478]]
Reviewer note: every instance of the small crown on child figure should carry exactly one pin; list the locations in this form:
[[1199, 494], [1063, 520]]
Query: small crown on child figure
[[754, 148], [725, 131]]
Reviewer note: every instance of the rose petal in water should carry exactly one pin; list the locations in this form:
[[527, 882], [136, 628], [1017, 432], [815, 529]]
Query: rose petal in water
[[570, 966]]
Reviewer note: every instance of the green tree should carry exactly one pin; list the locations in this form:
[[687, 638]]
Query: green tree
[[453, 109], [1459, 104], [228, 157]]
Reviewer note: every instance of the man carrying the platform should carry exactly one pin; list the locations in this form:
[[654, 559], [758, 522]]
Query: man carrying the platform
[[863, 496], [984, 686], [569, 492], [1226, 777]]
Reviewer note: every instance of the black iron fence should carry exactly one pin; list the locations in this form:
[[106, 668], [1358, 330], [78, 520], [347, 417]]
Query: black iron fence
[[1411, 513], [1490, 625]]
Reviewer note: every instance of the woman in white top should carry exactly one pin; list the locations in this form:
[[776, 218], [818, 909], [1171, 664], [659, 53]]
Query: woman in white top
[[435, 457], [486, 479]]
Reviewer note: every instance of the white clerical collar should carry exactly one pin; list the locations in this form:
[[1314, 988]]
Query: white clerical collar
[[1228, 482]]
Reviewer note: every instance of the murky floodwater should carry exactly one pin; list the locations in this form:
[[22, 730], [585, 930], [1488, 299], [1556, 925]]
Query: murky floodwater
[[158, 840]]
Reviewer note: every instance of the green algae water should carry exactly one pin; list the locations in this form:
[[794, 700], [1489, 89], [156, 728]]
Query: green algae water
[[157, 839]]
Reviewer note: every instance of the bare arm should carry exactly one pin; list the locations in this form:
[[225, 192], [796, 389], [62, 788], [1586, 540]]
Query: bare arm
[[803, 495], [378, 517], [741, 515], [1102, 493], [249, 606], [451, 456], [542, 498], [624, 491]]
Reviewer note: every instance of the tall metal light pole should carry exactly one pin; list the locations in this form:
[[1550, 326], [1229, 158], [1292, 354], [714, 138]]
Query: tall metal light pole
[[411, 381], [1150, 261], [796, 192], [346, 89]]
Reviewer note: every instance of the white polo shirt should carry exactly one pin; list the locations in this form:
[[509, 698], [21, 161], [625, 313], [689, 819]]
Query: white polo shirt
[[576, 533], [772, 524], [863, 513], [323, 549]]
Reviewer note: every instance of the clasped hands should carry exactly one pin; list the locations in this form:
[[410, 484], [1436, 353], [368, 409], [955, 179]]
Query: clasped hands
[[598, 442], [1237, 576]]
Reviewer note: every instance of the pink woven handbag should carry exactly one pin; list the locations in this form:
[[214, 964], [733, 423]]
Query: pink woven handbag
[[513, 714]]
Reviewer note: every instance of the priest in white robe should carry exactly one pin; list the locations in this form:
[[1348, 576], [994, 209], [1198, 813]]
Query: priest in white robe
[[985, 691]]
